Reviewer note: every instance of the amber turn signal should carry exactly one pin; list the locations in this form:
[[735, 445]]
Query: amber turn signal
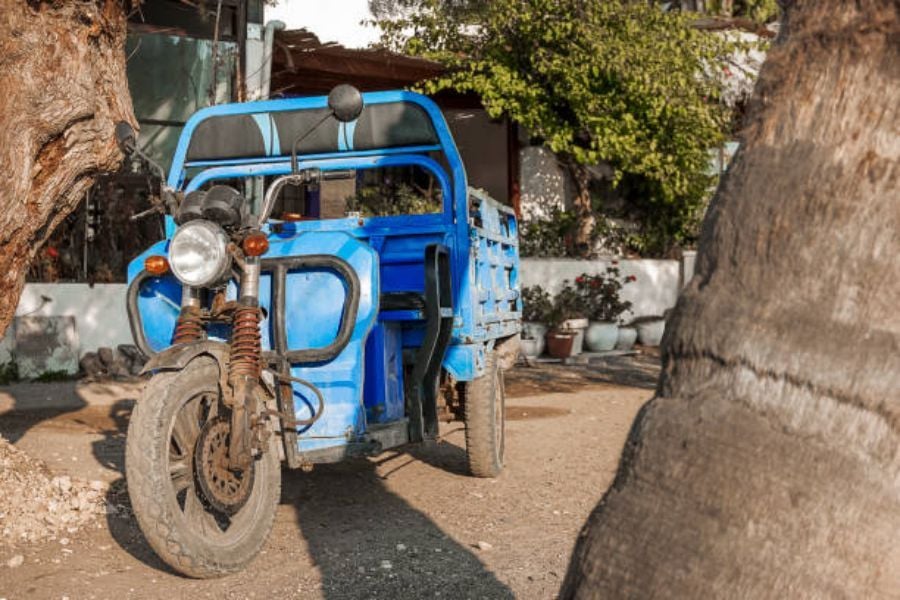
[[156, 265], [255, 244], [291, 217]]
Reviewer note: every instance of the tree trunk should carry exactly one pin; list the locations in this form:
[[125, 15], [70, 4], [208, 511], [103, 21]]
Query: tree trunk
[[584, 210], [768, 465], [62, 90]]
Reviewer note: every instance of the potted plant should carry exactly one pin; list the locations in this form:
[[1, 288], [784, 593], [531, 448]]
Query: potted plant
[[560, 342], [567, 323], [601, 295], [650, 329], [537, 304], [574, 311], [627, 337]]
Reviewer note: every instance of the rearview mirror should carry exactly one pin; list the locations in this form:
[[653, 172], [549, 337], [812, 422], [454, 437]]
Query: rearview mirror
[[345, 102]]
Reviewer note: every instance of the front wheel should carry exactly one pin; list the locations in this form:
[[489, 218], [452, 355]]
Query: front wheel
[[200, 517], [485, 406]]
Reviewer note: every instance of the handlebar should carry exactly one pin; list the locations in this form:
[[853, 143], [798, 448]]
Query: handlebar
[[299, 178]]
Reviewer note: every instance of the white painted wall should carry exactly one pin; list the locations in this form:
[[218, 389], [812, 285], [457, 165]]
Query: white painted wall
[[101, 318], [543, 184], [99, 311], [655, 290]]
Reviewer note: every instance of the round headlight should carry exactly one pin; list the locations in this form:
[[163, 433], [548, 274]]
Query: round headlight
[[198, 255]]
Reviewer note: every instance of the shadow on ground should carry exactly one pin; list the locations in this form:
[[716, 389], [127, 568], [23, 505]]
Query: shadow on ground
[[640, 371], [360, 535], [62, 405], [29, 404], [363, 538], [366, 539]]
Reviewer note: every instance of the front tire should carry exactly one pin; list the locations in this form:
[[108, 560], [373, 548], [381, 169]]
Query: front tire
[[180, 525], [485, 414]]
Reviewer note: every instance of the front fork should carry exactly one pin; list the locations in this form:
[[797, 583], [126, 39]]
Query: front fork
[[245, 360], [245, 366]]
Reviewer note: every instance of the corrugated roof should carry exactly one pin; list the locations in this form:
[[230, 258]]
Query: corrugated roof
[[302, 64]]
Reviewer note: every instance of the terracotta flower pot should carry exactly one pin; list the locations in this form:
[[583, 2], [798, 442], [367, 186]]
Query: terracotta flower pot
[[560, 344]]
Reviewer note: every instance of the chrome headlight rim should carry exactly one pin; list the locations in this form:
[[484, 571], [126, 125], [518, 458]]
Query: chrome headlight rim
[[198, 254]]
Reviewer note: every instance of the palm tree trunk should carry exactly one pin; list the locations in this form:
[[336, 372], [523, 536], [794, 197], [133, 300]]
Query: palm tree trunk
[[768, 465], [62, 90]]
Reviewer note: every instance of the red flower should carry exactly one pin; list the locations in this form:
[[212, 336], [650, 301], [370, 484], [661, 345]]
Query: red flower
[[579, 279], [52, 252], [631, 278], [615, 262]]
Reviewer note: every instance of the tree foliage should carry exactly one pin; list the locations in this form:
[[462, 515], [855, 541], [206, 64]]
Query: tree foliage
[[762, 11], [619, 82]]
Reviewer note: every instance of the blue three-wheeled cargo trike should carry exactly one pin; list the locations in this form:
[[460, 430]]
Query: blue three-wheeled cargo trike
[[329, 288]]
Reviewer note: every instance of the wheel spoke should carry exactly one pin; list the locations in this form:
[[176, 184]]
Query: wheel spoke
[[198, 515], [211, 402], [187, 426], [181, 475]]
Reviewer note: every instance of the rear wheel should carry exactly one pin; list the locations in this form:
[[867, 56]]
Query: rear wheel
[[201, 518], [484, 404]]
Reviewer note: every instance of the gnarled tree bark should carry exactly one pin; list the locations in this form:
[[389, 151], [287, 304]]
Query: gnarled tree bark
[[62, 90], [768, 465]]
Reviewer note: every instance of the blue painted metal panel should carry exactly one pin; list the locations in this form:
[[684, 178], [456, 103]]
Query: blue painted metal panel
[[259, 160], [314, 304], [492, 288], [384, 397], [465, 361], [159, 300]]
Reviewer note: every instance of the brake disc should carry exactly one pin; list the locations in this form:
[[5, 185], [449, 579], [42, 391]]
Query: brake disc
[[224, 489]]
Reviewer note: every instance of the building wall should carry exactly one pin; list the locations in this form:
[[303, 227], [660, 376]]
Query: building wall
[[99, 313], [654, 291], [483, 145], [543, 183]]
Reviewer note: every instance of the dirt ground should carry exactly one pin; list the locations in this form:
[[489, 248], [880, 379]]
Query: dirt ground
[[403, 525]]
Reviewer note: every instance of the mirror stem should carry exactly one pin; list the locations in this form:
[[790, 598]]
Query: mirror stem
[[305, 135]]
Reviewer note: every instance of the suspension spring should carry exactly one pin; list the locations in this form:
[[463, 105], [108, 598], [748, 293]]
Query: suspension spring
[[189, 327], [246, 344]]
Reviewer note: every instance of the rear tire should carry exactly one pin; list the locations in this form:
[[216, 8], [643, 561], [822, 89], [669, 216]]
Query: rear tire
[[179, 524], [485, 414]]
